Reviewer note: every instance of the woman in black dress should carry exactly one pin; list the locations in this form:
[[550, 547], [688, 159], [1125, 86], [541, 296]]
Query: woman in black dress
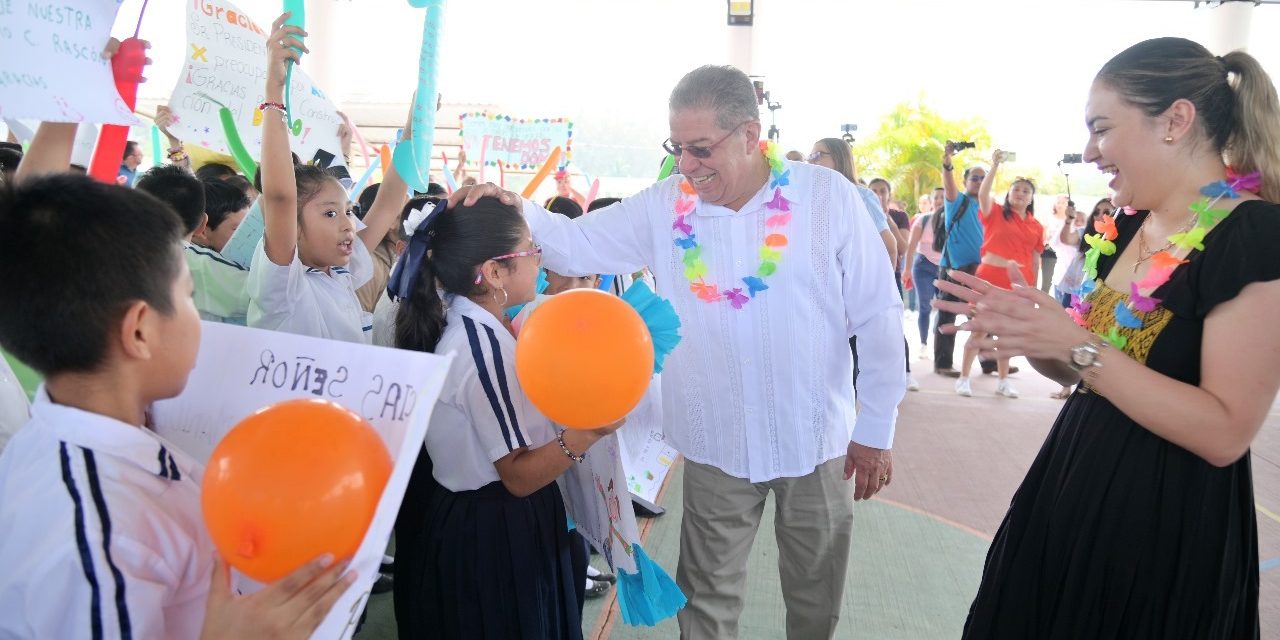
[[1136, 519]]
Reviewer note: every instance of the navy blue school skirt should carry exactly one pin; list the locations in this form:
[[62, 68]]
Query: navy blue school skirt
[[484, 563]]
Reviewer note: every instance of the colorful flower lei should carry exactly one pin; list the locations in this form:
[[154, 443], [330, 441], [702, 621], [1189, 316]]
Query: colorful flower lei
[[1163, 262], [695, 269]]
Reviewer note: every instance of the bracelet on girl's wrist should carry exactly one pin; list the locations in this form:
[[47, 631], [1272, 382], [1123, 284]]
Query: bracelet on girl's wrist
[[565, 448], [272, 106]]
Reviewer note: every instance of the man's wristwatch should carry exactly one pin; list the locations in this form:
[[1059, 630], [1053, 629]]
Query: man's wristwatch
[[1087, 356]]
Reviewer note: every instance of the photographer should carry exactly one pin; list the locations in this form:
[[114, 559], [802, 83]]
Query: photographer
[[960, 230]]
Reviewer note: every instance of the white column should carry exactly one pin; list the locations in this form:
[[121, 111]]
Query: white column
[[740, 48], [741, 40], [324, 63], [1230, 24]]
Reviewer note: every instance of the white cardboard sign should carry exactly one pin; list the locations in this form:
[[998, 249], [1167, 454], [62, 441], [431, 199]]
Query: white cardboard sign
[[226, 59], [240, 370], [51, 64]]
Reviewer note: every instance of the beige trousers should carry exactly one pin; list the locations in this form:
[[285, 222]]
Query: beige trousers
[[813, 524]]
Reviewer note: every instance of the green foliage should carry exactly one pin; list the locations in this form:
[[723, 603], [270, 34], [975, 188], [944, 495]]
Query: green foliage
[[907, 149]]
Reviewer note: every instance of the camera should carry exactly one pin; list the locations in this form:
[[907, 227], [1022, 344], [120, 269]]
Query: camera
[[847, 132], [961, 146], [1072, 158]]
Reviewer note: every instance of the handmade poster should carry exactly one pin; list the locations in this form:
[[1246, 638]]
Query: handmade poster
[[225, 64], [646, 457], [395, 390], [596, 496], [51, 64], [515, 142]]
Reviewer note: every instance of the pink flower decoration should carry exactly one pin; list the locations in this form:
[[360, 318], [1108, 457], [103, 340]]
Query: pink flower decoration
[[682, 226]]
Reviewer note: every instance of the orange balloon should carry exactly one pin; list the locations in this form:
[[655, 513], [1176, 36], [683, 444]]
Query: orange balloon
[[584, 358], [293, 481]]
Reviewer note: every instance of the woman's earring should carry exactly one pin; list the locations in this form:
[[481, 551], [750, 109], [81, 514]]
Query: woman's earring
[[1168, 139], [505, 297]]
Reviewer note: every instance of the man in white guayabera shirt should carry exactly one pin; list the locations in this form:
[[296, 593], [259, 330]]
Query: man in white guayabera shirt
[[772, 265]]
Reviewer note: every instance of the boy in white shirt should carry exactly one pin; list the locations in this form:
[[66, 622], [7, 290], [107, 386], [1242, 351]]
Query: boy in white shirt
[[101, 533], [220, 293]]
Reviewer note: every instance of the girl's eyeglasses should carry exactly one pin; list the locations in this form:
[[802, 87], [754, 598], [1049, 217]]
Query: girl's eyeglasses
[[813, 157], [535, 251]]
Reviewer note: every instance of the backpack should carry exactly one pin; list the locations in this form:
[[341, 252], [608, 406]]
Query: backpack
[[939, 222]]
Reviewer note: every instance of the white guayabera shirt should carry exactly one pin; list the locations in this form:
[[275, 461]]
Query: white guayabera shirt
[[764, 391]]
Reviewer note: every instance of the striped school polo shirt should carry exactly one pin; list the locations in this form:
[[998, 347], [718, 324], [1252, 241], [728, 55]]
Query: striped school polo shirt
[[100, 531]]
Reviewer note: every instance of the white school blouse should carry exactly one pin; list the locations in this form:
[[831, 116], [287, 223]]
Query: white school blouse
[[765, 391], [100, 531], [299, 299], [482, 415]]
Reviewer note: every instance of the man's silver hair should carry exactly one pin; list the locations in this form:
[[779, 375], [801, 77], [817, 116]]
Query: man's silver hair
[[725, 89]]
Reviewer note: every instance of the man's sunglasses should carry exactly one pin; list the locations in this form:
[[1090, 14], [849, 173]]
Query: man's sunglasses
[[702, 153]]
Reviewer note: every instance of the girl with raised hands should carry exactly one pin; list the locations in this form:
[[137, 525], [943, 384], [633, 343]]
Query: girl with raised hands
[[313, 254]]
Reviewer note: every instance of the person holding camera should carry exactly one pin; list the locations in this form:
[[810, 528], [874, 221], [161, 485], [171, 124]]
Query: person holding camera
[[958, 235]]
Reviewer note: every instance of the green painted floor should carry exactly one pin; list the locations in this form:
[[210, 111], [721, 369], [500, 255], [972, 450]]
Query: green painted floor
[[910, 577]]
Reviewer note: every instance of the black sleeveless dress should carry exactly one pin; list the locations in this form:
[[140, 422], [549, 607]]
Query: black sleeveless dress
[[1116, 532]]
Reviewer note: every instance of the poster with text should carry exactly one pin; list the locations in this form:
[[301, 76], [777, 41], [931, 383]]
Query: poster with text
[[516, 142], [240, 370], [646, 456], [51, 64], [225, 62]]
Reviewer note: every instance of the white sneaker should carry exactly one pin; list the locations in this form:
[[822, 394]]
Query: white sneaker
[[912, 384], [924, 352], [1005, 388], [962, 387]]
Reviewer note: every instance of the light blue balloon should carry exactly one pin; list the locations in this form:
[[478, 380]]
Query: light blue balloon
[[412, 158]]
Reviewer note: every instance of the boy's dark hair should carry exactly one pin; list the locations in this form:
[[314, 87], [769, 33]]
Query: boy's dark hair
[[129, 148], [365, 201], [600, 203], [239, 182], [214, 171], [179, 189], [9, 159], [56, 314], [222, 199], [564, 206], [462, 239]]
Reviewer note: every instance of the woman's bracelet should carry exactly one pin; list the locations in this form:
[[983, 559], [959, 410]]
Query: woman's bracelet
[[565, 449]]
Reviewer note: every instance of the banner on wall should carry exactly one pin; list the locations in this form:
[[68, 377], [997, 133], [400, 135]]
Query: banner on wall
[[225, 62], [51, 64], [395, 390], [518, 143]]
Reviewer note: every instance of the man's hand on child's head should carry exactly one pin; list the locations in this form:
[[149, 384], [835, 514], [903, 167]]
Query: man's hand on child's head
[[292, 607], [468, 196]]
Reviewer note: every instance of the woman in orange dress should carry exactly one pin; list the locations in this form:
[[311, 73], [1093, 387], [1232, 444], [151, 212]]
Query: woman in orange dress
[[1010, 234]]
